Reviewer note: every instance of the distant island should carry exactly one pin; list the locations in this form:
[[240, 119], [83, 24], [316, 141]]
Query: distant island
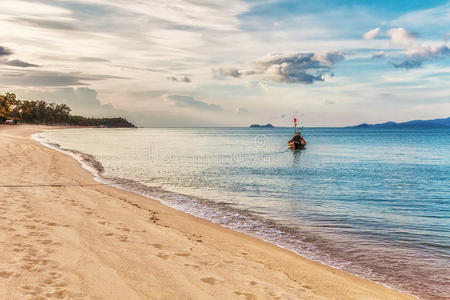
[[262, 126], [436, 123], [13, 111]]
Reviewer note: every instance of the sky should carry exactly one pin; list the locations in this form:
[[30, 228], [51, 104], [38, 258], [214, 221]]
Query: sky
[[200, 63]]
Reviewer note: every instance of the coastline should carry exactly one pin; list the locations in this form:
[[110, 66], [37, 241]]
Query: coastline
[[111, 243]]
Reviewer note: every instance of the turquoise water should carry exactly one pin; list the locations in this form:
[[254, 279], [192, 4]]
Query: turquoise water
[[373, 202]]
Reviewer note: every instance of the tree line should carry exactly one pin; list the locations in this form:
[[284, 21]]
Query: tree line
[[41, 112]]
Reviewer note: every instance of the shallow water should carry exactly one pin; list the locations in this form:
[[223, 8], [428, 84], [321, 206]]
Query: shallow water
[[374, 202]]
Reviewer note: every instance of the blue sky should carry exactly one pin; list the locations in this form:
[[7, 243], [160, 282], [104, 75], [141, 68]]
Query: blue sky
[[233, 62]]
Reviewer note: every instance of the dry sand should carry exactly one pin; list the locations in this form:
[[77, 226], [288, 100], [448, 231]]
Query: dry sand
[[64, 235]]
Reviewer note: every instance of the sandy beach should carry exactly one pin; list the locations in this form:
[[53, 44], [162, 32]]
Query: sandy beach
[[66, 236]]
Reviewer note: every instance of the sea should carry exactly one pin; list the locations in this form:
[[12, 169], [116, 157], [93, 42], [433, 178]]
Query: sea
[[372, 202]]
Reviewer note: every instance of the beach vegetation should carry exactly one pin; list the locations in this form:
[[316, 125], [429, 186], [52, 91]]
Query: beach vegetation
[[41, 112]]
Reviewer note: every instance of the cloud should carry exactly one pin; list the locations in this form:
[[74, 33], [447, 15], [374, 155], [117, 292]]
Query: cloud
[[432, 19], [82, 101], [379, 54], [92, 59], [54, 79], [20, 8], [183, 78], [372, 34], [17, 63], [48, 24], [13, 74], [240, 110], [263, 86], [303, 68], [416, 56], [227, 72], [402, 37], [190, 102], [5, 51]]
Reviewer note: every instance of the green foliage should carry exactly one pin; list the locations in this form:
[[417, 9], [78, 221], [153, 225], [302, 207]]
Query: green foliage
[[107, 122], [41, 112]]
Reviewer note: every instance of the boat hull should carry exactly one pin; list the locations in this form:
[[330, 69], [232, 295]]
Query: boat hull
[[296, 146]]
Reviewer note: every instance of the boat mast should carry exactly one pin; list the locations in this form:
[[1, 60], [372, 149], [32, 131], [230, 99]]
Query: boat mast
[[295, 125]]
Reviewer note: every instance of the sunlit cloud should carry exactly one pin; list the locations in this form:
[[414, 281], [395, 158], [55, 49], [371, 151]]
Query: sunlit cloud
[[372, 34], [401, 36], [211, 57]]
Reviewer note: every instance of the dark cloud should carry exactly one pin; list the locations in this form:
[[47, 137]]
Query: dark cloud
[[54, 79], [45, 78], [17, 63], [49, 24], [13, 74], [416, 57], [70, 58], [5, 51], [190, 102], [303, 68], [93, 59], [231, 72], [408, 64], [183, 78]]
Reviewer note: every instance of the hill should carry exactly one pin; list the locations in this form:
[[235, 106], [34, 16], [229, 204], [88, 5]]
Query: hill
[[435, 123], [261, 126]]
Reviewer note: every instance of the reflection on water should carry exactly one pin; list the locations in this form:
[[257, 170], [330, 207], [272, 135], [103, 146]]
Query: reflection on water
[[372, 202], [296, 154]]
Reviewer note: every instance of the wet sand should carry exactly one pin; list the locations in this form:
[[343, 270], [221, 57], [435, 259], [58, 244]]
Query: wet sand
[[66, 236]]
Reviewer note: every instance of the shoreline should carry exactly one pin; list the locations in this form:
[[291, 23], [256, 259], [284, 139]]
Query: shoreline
[[290, 275], [89, 163]]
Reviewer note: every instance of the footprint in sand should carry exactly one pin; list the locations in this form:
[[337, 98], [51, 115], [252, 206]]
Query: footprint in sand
[[182, 254], [209, 280], [6, 274], [193, 266], [45, 242], [158, 246], [163, 256], [306, 287], [247, 296], [122, 238]]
